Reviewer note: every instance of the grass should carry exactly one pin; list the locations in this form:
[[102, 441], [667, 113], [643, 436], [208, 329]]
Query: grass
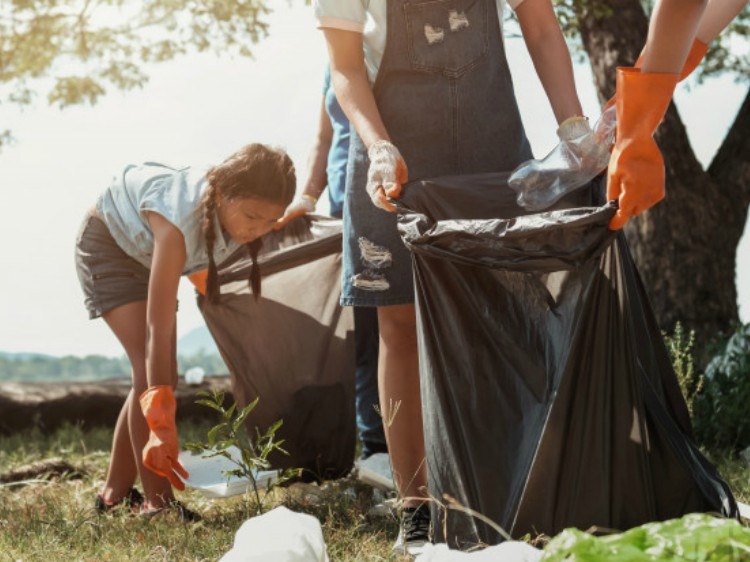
[[54, 521]]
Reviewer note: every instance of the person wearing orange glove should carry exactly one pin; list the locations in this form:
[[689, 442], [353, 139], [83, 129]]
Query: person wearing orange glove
[[679, 33], [160, 454], [583, 154], [151, 226]]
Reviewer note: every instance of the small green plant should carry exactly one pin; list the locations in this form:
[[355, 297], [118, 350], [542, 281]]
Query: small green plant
[[680, 349], [230, 432], [721, 409]]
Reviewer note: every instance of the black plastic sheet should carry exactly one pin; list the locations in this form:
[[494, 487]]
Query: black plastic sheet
[[294, 347], [548, 396]]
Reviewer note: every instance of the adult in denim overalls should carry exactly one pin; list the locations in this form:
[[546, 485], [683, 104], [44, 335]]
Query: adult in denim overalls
[[443, 96]]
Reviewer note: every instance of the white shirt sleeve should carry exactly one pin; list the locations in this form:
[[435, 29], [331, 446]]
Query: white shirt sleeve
[[349, 15], [514, 4]]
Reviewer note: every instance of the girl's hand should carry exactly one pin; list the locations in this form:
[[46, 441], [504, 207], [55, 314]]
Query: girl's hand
[[161, 452], [386, 174]]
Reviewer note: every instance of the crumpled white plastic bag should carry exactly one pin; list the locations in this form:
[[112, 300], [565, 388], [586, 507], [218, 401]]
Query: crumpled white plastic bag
[[510, 551], [539, 184], [281, 535]]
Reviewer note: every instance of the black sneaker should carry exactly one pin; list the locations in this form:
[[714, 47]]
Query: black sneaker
[[414, 533], [172, 509], [133, 500]]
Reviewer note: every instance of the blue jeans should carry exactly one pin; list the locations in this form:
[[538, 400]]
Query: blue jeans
[[369, 422], [367, 346]]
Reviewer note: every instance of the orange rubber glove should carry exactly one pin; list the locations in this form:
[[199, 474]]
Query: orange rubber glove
[[636, 171], [697, 51], [160, 453], [199, 279]]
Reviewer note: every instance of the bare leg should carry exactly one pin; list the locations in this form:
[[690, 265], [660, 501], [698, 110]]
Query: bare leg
[[122, 471], [128, 322], [398, 375]]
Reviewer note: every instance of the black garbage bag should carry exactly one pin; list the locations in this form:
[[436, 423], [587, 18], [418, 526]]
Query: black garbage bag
[[548, 396], [294, 347]]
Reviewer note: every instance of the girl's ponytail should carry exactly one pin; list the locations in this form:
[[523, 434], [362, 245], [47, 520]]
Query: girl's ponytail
[[208, 205], [254, 280]]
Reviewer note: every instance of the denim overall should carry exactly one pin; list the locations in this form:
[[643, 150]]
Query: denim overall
[[445, 95]]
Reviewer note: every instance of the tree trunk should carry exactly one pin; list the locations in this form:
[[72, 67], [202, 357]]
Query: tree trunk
[[685, 247]]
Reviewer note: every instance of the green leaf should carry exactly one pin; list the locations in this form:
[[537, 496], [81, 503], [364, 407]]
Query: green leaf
[[211, 405], [214, 433]]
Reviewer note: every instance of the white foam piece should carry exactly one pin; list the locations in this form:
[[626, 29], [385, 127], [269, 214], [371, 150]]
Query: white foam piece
[[208, 474]]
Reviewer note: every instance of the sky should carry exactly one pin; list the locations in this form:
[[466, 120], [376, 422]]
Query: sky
[[198, 109]]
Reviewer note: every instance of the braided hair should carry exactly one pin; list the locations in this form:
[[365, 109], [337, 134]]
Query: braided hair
[[255, 171]]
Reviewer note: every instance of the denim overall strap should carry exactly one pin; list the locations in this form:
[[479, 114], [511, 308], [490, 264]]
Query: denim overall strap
[[446, 98]]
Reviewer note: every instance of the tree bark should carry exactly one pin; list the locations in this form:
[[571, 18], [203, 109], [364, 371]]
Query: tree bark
[[685, 247]]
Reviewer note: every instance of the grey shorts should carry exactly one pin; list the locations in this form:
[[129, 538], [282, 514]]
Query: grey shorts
[[109, 277]]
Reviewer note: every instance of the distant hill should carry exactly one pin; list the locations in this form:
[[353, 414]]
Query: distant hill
[[196, 342], [194, 349], [24, 356]]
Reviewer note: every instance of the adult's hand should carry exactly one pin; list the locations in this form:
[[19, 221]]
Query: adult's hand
[[386, 174], [301, 205], [636, 172]]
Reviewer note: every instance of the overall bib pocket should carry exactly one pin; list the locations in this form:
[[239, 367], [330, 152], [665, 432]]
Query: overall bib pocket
[[446, 36]]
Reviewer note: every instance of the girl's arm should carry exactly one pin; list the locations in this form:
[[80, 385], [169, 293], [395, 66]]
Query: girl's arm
[[718, 15], [387, 171], [161, 321], [352, 87], [674, 24], [550, 56], [158, 403], [671, 31]]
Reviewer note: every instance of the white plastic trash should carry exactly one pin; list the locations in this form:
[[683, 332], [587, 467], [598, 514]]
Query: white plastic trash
[[744, 510], [746, 456], [376, 471], [194, 375], [510, 551], [281, 535], [207, 475]]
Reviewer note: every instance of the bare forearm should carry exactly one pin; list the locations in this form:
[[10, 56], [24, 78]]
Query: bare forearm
[[161, 319], [352, 86], [550, 56], [555, 70], [317, 161], [673, 27], [159, 359], [356, 99], [717, 16]]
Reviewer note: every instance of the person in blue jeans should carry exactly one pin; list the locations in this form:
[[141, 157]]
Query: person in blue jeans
[[326, 167]]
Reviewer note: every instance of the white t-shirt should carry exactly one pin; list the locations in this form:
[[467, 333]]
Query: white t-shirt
[[369, 18], [173, 193]]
